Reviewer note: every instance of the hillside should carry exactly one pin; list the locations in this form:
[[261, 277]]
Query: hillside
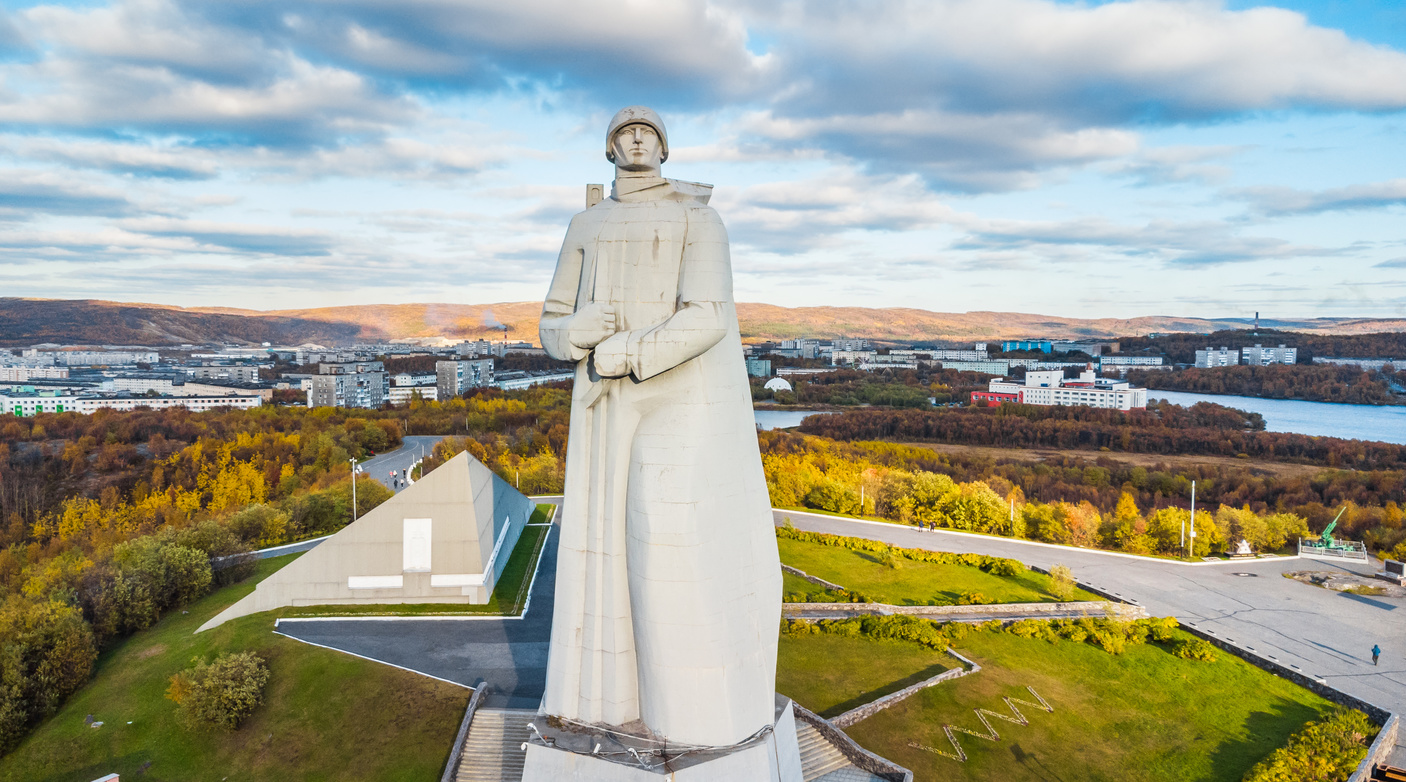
[[93, 322], [30, 321]]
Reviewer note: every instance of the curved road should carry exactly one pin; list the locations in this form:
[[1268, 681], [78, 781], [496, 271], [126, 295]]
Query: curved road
[[1323, 633], [413, 448]]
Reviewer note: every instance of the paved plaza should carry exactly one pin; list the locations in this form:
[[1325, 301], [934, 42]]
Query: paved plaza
[[1324, 633], [510, 653]]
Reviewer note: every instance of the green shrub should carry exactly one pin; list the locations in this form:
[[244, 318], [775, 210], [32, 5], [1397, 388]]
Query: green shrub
[[1326, 751], [1061, 583], [1195, 649], [1006, 567], [1162, 629], [972, 599], [48, 653], [220, 694]]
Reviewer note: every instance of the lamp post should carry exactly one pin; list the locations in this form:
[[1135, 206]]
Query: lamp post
[[1193, 518], [353, 477]]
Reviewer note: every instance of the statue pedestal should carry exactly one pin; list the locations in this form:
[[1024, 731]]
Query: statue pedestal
[[773, 756]]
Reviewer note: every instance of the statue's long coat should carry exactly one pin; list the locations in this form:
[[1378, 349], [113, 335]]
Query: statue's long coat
[[668, 591]]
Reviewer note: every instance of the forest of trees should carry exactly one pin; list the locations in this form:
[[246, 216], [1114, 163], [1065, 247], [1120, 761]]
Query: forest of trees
[[1311, 382], [1372, 499], [1181, 348], [110, 520], [813, 473], [1162, 428]]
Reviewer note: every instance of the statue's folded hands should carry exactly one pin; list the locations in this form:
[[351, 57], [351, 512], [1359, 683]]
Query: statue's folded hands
[[612, 355], [591, 324]]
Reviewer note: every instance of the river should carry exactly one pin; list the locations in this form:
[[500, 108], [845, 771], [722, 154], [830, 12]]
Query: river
[[1385, 423], [781, 419], [1354, 422]]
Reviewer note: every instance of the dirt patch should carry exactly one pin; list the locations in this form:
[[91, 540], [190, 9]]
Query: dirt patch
[[1347, 582], [1148, 460], [151, 651]]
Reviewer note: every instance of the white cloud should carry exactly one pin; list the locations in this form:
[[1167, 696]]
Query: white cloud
[[1291, 201]]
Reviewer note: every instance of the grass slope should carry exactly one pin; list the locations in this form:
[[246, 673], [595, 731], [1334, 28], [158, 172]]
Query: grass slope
[[916, 583], [325, 716], [830, 675], [1143, 711]]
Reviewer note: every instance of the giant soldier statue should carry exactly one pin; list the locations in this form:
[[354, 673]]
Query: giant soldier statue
[[668, 591]]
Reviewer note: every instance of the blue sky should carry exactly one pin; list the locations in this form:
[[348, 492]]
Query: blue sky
[[1082, 159]]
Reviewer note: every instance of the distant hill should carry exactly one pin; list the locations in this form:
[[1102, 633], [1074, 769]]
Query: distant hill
[[94, 322], [30, 321]]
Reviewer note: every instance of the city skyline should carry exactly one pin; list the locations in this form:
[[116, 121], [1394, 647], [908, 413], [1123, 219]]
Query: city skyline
[[1091, 160]]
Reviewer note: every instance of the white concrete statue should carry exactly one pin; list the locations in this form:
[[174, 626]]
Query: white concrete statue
[[668, 592]]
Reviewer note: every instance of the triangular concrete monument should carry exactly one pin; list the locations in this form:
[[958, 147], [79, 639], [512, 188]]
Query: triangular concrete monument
[[446, 539]]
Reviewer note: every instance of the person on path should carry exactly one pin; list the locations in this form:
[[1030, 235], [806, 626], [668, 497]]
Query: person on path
[[1376, 652]]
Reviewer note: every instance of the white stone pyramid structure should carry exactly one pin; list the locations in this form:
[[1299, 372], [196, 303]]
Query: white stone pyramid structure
[[445, 539]]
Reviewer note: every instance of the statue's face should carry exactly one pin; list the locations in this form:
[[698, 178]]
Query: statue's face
[[636, 148]]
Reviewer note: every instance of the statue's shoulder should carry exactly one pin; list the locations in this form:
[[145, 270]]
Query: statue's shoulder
[[681, 190]]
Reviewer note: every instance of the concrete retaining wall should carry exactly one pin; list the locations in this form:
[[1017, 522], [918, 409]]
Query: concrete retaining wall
[[452, 767], [812, 579], [957, 613], [1379, 752], [873, 707], [859, 756]]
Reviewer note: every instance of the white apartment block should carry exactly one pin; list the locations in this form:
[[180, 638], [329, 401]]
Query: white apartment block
[[403, 394], [847, 357], [31, 404], [1261, 356], [20, 374], [140, 385], [85, 358], [1225, 357], [942, 354], [453, 378], [1050, 388], [243, 374]]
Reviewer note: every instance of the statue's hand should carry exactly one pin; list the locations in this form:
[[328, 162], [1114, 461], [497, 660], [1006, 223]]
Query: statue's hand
[[611, 359], [591, 324]]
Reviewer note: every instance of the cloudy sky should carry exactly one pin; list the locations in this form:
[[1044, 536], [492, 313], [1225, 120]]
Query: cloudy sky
[[1189, 157]]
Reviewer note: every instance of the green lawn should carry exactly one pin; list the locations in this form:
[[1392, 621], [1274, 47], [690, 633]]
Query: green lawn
[[1144, 711], [325, 716], [915, 583], [830, 674]]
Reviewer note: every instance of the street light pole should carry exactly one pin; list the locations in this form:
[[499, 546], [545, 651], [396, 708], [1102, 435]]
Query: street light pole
[[1193, 518], [353, 477]]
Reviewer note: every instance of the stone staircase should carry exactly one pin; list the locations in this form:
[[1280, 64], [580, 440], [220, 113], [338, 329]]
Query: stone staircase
[[493, 748], [818, 756]]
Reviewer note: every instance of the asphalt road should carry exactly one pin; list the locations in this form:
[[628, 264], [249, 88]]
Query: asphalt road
[[1324, 633], [510, 654], [413, 448]]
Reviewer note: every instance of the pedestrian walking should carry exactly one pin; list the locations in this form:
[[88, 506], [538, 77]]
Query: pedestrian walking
[[1376, 652]]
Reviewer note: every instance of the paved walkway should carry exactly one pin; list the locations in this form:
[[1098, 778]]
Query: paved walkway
[[510, 653], [1326, 634], [412, 449]]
